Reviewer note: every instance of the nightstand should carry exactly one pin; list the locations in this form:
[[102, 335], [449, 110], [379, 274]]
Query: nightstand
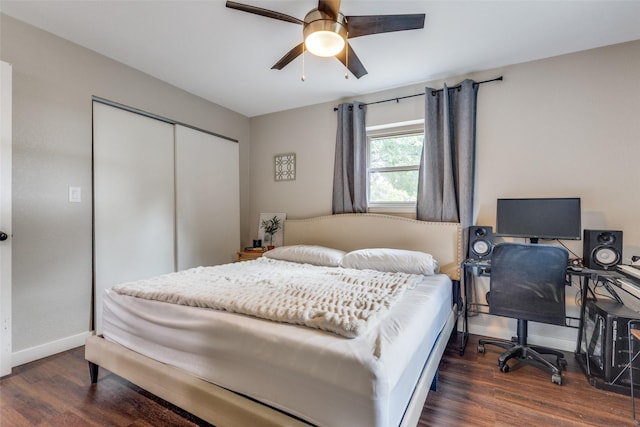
[[248, 256]]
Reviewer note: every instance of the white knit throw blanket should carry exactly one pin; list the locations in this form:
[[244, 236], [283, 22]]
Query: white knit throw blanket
[[344, 301]]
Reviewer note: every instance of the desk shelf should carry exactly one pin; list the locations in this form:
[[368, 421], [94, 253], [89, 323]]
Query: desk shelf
[[471, 269]]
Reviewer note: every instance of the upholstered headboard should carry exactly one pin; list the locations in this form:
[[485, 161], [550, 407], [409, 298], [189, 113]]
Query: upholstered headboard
[[349, 232]]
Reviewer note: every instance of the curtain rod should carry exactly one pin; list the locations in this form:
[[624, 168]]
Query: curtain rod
[[433, 92]]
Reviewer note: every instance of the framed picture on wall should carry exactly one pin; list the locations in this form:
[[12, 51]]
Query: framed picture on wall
[[271, 229]]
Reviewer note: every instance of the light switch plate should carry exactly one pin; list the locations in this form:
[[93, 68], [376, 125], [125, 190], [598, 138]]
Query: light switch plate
[[75, 194]]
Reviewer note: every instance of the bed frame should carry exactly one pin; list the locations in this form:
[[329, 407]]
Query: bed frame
[[223, 407]]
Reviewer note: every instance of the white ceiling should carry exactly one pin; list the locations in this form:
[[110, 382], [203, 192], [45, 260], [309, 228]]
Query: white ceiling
[[226, 55]]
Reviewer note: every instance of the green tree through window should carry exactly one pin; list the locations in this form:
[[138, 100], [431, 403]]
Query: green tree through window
[[394, 159]]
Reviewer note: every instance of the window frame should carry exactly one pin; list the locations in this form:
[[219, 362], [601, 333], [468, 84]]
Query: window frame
[[389, 130]]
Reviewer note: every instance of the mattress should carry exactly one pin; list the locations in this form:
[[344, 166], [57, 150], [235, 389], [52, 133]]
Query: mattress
[[323, 378]]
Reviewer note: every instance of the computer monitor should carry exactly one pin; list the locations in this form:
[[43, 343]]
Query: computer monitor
[[539, 218]]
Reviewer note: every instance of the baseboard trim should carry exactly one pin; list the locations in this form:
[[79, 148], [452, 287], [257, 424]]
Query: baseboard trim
[[563, 344], [48, 349]]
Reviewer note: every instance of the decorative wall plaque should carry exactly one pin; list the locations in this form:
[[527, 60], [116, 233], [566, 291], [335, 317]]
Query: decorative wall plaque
[[284, 167]]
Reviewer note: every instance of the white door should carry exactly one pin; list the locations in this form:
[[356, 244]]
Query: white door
[[207, 198], [5, 218], [134, 204]]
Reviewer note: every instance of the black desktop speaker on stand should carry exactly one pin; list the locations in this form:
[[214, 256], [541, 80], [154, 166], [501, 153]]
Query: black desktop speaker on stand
[[480, 242], [602, 249]]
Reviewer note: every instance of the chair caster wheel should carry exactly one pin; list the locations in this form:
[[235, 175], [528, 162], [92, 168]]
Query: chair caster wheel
[[480, 348], [504, 368], [556, 379]]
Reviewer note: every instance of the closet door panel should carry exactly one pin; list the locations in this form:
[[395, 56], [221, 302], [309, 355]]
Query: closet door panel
[[207, 199], [133, 198]]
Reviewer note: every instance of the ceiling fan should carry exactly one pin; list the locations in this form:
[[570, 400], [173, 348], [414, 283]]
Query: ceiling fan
[[326, 30]]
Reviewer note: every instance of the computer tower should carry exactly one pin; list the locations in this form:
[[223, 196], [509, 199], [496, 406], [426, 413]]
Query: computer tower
[[606, 341]]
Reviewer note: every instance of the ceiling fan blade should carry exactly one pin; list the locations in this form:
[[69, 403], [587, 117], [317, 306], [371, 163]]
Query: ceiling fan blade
[[290, 56], [354, 65], [331, 7], [374, 24], [263, 12]]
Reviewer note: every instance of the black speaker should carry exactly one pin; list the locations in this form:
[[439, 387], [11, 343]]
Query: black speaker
[[602, 249], [480, 242]]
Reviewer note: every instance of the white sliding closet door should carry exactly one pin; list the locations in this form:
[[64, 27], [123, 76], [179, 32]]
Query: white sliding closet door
[[134, 199], [207, 198]]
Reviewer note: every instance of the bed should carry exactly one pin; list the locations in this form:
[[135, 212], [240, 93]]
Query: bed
[[263, 375]]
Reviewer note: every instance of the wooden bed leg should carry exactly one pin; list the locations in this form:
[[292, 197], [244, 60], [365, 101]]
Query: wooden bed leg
[[434, 383], [93, 372]]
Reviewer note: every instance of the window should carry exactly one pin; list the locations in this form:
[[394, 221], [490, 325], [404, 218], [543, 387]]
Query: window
[[393, 157]]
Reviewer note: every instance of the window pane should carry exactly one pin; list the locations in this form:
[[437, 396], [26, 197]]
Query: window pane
[[397, 186], [401, 150]]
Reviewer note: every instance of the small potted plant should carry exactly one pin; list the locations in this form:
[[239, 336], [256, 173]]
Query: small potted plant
[[270, 227]]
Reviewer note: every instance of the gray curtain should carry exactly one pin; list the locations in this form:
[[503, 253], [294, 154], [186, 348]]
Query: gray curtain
[[350, 168], [447, 167]]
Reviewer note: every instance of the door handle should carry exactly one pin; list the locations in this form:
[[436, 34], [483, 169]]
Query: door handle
[[3, 236]]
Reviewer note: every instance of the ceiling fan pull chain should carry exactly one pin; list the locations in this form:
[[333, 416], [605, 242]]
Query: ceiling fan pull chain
[[346, 59], [304, 45]]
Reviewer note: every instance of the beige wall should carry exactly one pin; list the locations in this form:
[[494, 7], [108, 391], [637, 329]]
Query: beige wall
[[561, 126], [564, 126], [54, 81]]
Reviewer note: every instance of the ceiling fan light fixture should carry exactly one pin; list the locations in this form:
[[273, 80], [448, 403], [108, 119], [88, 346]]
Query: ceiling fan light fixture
[[324, 43], [325, 31], [324, 36]]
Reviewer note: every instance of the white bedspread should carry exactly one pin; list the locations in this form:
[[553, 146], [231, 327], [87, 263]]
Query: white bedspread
[[345, 301], [316, 375]]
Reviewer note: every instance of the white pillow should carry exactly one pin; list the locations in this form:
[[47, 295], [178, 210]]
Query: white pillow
[[307, 254], [391, 260]]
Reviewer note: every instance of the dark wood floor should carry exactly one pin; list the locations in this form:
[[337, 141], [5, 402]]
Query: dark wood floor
[[472, 392]]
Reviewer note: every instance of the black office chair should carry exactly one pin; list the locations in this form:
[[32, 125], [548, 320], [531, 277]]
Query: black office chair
[[528, 284]]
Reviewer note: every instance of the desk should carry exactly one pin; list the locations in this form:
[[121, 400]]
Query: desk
[[473, 268]]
